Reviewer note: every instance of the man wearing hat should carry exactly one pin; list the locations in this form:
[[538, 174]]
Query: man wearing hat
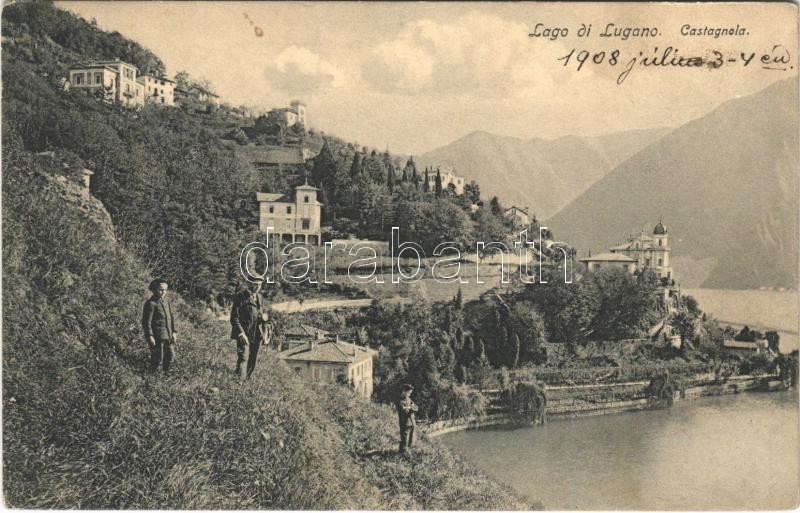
[[158, 325], [406, 410], [249, 327]]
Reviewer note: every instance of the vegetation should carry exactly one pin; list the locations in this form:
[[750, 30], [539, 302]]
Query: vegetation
[[87, 426]]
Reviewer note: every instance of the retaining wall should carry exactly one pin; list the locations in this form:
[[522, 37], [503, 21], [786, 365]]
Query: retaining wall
[[733, 385]]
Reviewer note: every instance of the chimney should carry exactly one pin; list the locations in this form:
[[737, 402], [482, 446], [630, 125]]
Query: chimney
[[312, 344]]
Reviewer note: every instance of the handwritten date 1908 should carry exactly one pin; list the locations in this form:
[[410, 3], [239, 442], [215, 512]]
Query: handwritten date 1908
[[777, 58]]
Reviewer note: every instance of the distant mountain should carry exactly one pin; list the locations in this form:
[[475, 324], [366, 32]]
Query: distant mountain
[[542, 174], [726, 185]]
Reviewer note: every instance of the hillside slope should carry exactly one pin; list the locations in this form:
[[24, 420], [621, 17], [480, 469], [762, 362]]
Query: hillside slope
[[85, 425], [542, 174], [726, 186]]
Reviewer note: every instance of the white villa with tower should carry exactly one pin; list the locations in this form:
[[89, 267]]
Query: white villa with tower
[[291, 219], [295, 114], [641, 252]]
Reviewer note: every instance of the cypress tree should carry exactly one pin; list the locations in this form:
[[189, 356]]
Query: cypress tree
[[438, 183], [426, 187], [390, 178], [355, 168]]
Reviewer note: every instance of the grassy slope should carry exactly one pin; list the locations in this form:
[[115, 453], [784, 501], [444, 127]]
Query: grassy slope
[[86, 426]]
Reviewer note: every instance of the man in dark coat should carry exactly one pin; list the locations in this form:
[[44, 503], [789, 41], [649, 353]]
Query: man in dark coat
[[406, 413], [249, 327], [158, 325]]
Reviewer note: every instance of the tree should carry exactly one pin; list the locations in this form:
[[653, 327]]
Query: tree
[[473, 192], [426, 187], [182, 80], [438, 183], [390, 178], [355, 167], [458, 301], [495, 206]]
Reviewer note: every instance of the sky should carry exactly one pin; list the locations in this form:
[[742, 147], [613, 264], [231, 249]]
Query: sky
[[415, 76]]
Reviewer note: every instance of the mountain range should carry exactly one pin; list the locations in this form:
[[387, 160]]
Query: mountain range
[[725, 185], [542, 174]]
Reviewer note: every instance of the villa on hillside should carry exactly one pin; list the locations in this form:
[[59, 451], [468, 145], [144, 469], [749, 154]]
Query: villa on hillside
[[319, 357], [265, 158], [639, 253], [291, 220], [198, 94], [121, 83], [448, 177], [296, 113], [518, 214]]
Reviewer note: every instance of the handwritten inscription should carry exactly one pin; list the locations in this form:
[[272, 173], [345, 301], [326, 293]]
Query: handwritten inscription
[[778, 58]]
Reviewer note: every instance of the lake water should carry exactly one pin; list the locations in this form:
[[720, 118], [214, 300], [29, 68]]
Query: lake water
[[730, 453]]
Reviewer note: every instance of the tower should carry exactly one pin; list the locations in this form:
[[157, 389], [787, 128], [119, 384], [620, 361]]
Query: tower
[[300, 107], [661, 250]]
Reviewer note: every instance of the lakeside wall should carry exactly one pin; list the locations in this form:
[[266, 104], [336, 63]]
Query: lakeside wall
[[733, 385]]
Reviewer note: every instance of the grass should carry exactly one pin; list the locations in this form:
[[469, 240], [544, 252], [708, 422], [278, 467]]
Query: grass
[[87, 426]]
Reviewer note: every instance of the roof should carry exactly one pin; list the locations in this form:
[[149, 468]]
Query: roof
[[305, 330], [196, 87], [117, 61], [165, 79], [268, 154], [737, 344], [520, 209], [92, 66], [306, 187], [284, 109], [272, 197], [621, 247], [332, 351], [660, 229], [609, 257]]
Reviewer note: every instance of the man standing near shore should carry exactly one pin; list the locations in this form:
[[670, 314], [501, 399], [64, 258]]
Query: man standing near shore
[[406, 413], [249, 328], [158, 325]]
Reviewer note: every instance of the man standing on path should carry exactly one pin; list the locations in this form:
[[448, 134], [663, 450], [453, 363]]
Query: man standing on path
[[406, 413], [158, 324], [249, 327]]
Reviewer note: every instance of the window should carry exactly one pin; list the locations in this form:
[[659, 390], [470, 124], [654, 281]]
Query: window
[[272, 209], [98, 78], [659, 242], [317, 373], [305, 199], [298, 370], [306, 224], [78, 78], [289, 210], [659, 262]]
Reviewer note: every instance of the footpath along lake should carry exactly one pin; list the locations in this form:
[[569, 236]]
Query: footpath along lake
[[729, 452]]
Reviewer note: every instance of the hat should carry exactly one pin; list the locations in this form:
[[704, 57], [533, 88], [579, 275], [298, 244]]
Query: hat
[[155, 283], [406, 386]]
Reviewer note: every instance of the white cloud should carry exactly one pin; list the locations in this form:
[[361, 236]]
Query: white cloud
[[299, 70], [476, 54]]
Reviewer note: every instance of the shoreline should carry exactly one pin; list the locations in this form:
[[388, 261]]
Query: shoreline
[[733, 385]]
